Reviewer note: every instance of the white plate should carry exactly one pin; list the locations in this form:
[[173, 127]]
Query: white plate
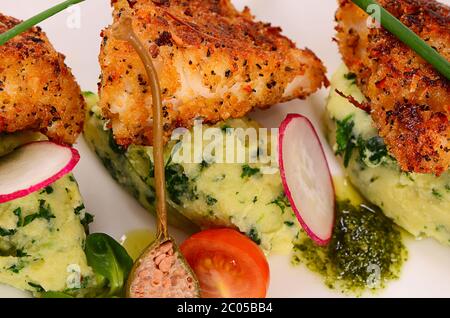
[[310, 23]]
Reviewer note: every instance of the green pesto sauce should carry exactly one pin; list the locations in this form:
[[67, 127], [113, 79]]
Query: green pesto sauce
[[365, 252]]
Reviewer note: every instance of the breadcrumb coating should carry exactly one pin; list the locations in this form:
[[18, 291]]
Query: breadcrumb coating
[[37, 90], [408, 99], [213, 62]]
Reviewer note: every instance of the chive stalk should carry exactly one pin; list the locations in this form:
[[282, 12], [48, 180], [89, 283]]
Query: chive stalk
[[25, 25], [408, 37]]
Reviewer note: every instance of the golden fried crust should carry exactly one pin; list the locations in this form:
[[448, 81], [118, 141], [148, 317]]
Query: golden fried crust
[[409, 99], [213, 62], [37, 90]]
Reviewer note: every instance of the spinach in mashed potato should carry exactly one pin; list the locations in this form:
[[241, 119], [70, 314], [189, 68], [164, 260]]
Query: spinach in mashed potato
[[420, 203], [204, 194], [43, 244], [43, 240]]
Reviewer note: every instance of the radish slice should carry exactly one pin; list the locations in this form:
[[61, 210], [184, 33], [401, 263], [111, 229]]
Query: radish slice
[[34, 166], [306, 177]]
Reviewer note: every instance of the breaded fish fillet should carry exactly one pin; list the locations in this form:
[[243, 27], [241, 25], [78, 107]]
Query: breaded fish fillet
[[408, 98], [213, 62], [37, 90]]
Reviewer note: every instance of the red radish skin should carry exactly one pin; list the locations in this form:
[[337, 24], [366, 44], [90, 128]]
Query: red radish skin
[[75, 158], [322, 241]]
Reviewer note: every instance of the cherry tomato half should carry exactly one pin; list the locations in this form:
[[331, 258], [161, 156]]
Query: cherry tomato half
[[228, 264]]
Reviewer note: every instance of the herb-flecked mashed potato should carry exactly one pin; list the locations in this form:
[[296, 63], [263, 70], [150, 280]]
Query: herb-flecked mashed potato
[[420, 203], [42, 235], [236, 195]]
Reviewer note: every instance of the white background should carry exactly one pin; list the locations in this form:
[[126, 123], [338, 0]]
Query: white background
[[309, 23]]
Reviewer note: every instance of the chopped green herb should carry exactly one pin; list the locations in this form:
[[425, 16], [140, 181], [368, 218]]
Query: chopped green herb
[[18, 212], [88, 219], [203, 165], [85, 282], [16, 268], [345, 139], [21, 253], [38, 287], [373, 179], [210, 200], [6, 232], [226, 128], [178, 184], [255, 199], [289, 223], [79, 208], [151, 169], [44, 213], [254, 236], [48, 190], [150, 197], [282, 202], [351, 77], [88, 94], [372, 149], [29, 218], [436, 193], [248, 171], [409, 176]]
